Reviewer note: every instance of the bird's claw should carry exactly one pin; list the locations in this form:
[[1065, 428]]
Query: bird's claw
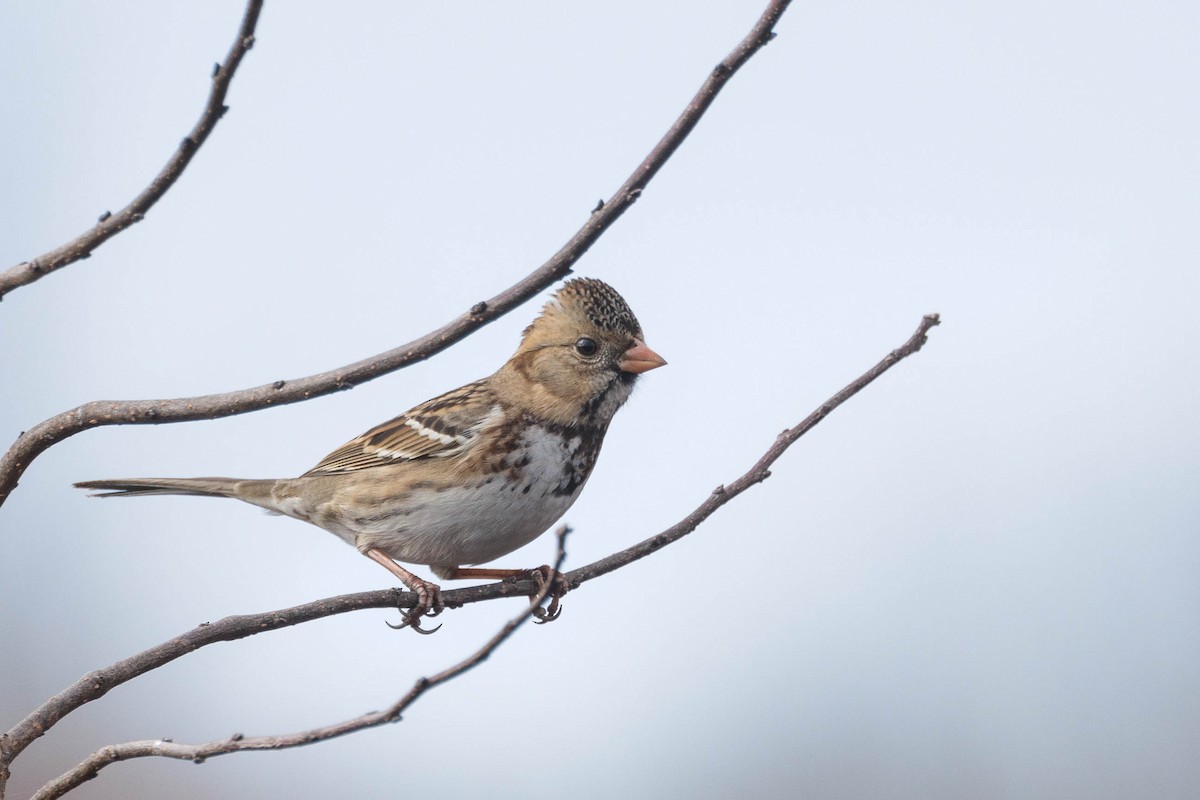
[[541, 575], [429, 604], [549, 613], [414, 624]]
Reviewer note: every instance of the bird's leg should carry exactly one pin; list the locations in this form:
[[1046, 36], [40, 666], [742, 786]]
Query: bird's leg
[[429, 595], [539, 575]]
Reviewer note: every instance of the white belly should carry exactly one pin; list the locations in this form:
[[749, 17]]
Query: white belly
[[479, 521], [464, 526]]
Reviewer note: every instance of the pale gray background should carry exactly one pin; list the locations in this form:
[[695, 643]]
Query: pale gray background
[[979, 579]]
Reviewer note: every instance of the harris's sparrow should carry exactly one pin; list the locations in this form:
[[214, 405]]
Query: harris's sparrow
[[476, 473]]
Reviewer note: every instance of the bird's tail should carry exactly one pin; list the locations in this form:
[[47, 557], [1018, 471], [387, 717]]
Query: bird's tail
[[257, 492]]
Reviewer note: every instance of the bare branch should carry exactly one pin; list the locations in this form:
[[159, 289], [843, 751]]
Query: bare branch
[[96, 684], [109, 225], [199, 753], [152, 412], [761, 469]]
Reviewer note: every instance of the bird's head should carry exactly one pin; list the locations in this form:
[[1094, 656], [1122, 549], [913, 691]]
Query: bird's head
[[578, 361]]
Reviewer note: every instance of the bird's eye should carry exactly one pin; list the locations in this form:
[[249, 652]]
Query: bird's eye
[[585, 347]]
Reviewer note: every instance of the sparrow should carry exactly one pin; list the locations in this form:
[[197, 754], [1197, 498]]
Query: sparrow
[[472, 474]]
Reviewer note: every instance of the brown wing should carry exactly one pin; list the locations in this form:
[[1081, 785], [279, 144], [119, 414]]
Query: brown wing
[[444, 426]]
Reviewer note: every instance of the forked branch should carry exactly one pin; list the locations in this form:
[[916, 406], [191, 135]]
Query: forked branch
[[198, 753]]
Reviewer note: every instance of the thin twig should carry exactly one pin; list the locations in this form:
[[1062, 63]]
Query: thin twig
[[96, 684], [152, 412], [90, 767], [109, 225]]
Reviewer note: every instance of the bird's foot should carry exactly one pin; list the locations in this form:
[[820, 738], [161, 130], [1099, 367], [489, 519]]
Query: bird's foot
[[541, 576], [429, 604], [429, 595]]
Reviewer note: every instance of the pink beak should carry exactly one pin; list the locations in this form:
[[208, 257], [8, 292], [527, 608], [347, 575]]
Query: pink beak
[[640, 358]]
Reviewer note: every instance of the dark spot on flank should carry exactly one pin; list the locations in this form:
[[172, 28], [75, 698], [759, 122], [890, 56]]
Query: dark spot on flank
[[570, 482]]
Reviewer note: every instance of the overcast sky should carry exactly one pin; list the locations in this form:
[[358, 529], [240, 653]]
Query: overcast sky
[[977, 579]]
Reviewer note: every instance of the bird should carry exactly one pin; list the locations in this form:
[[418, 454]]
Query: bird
[[473, 474]]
